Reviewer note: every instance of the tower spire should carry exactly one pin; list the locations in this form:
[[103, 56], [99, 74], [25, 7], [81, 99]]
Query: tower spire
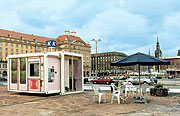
[[158, 52], [157, 39]]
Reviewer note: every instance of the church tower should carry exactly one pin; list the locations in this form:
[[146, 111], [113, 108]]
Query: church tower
[[158, 52]]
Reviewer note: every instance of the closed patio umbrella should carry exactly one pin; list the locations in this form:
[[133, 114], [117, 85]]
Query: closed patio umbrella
[[140, 59]]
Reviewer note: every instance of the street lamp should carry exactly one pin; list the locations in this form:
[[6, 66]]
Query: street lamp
[[35, 41], [68, 38], [96, 52]]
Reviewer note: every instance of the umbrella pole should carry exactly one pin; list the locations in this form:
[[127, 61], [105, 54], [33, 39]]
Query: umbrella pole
[[139, 80]]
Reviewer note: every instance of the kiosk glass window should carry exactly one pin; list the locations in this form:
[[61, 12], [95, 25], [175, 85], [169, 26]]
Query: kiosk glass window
[[34, 69], [14, 70], [23, 70]]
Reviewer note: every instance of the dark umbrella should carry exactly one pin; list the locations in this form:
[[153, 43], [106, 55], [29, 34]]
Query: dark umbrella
[[140, 59]]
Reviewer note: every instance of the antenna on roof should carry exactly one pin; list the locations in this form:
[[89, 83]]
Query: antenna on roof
[[9, 36], [35, 40], [73, 33], [67, 32]]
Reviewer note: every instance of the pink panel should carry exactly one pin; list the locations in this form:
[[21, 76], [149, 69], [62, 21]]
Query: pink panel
[[42, 59], [66, 69], [78, 75], [22, 86], [42, 76], [55, 85], [13, 86]]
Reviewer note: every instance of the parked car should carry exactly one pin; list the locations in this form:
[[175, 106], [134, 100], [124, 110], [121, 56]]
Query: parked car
[[178, 76], [159, 77], [106, 80], [170, 77], [85, 80], [91, 78], [3, 79], [154, 79], [119, 78], [143, 79], [122, 78]]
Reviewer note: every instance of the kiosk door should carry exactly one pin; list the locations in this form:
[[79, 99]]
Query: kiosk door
[[34, 75]]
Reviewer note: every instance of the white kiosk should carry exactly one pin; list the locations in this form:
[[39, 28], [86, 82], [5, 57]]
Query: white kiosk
[[46, 73]]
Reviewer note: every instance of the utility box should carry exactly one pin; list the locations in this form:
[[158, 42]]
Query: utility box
[[46, 73]]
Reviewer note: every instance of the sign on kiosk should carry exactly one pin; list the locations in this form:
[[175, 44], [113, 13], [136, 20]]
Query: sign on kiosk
[[51, 44], [34, 84]]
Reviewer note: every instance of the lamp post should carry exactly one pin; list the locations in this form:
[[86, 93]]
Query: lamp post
[[96, 53], [70, 44], [68, 38], [35, 41]]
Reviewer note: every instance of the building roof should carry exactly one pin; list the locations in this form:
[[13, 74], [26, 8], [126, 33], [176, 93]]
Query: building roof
[[171, 57], [72, 38], [28, 37], [110, 53], [31, 37]]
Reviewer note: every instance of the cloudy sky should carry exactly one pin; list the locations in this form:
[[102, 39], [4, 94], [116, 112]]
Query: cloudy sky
[[127, 26]]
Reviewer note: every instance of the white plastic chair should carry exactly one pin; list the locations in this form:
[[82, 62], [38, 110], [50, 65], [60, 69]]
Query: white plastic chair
[[97, 92], [129, 87], [117, 92], [144, 88]]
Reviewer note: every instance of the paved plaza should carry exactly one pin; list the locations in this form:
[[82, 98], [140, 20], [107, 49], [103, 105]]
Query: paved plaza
[[82, 105]]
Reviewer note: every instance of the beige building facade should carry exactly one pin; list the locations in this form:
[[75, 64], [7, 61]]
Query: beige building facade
[[19, 43]]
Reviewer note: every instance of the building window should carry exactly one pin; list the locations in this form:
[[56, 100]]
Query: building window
[[0, 49], [16, 45], [4, 66], [0, 54], [21, 51], [0, 43], [17, 50], [31, 47], [26, 51], [21, 46], [38, 49], [11, 50], [6, 54], [6, 44], [26, 47], [11, 44], [6, 49]]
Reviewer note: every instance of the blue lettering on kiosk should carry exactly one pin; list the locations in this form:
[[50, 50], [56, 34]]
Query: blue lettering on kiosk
[[51, 43]]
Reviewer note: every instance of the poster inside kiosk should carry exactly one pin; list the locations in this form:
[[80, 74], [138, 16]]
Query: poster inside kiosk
[[52, 72]]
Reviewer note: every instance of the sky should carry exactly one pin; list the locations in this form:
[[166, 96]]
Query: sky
[[127, 26]]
